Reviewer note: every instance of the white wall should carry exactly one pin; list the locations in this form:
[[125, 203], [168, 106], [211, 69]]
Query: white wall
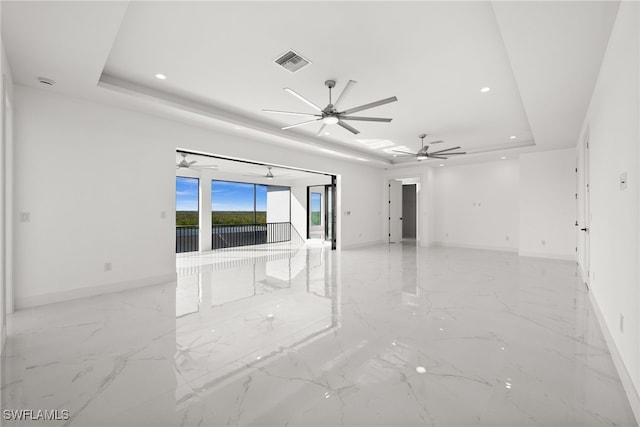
[[614, 136], [95, 180], [6, 191], [299, 201], [548, 204], [278, 209], [477, 205]]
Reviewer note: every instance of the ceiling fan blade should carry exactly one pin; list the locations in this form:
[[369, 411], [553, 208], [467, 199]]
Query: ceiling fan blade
[[303, 99], [436, 157], [348, 127], [404, 152], [191, 163], [452, 154], [344, 93], [291, 113], [434, 142], [321, 129], [445, 150], [370, 105], [301, 124], [366, 119]]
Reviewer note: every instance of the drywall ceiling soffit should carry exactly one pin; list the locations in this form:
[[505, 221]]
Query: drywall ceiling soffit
[[436, 57], [67, 42], [556, 49], [242, 171]]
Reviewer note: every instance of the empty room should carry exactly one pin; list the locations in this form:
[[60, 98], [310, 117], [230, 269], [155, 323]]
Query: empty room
[[301, 213]]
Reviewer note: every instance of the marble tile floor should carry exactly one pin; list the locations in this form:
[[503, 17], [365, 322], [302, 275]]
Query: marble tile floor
[[391, 335]]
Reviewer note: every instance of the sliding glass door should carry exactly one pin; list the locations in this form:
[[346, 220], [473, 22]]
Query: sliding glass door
[[245, 214]]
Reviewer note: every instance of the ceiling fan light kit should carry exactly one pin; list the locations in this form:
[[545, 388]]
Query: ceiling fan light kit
[[331, 115]]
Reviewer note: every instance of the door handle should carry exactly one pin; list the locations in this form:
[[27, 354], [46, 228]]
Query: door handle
[[584, 229], [400, 218]]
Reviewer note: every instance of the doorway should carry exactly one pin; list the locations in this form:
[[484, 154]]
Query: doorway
[[403, 214], [321, 212], [409, 211]]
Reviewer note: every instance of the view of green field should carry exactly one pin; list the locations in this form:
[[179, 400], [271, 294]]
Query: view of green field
[[184, 218], [315, 218]]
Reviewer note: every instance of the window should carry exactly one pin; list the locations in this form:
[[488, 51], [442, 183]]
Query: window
[[187, 215], [232, 203]]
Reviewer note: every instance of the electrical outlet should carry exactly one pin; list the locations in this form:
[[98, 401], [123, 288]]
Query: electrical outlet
[[543, 242], [507, 238], [622, 323], [107, 266], [163, 214], [25, 216]]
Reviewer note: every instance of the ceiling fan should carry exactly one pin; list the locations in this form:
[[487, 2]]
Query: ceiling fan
[[184, 164], [330, 115], [424, 153], [268, 175]]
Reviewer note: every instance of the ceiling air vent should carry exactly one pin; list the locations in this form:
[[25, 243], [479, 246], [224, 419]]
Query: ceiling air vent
[[292, 61]]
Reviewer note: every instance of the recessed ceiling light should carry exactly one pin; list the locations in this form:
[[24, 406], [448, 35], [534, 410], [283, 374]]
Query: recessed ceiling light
[[327, 133], [395, 155], [503, 158], [512, 137], [421, 370], [160, 76], [485, 89], [441, 164]]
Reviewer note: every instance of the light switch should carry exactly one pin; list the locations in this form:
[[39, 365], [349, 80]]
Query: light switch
[[623, 181]]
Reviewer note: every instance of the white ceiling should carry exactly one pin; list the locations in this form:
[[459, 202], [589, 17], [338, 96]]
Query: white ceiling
[[541, 60], [228, 169]]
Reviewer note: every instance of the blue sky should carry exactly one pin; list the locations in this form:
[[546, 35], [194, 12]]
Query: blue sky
[[237, 196], [315, 202], [186, 194], [225, 195]]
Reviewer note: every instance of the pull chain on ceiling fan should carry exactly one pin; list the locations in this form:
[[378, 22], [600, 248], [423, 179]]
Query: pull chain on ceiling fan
[[330, 115]]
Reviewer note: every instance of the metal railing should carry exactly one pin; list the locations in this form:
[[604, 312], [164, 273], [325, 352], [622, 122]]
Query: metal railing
[[229, 236], [187, 239]]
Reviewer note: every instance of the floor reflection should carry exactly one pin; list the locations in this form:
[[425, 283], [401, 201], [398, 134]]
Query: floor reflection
[[238, 309]]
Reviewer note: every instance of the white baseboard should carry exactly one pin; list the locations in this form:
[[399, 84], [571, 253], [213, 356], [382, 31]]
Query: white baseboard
[[362, 245], [562, 257], [480, 247], [43, 299], [627, 383]]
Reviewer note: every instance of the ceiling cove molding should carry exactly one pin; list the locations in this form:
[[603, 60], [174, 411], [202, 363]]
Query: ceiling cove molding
[[221, 116]]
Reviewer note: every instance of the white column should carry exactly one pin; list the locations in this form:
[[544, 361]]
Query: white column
[[205, 211]]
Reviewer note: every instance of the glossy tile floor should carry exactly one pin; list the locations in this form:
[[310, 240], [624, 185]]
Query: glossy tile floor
[[302, 336]]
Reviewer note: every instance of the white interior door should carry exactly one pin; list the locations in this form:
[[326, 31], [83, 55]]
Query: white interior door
[[395, 211]]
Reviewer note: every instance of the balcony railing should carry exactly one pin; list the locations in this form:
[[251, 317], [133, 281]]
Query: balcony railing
[[187, 238], [229, 236]]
